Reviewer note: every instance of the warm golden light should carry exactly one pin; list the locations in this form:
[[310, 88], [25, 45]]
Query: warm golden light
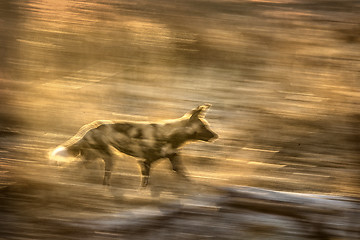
[[87, 89]]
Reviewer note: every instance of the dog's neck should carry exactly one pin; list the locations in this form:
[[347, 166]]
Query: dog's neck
[[180, 134]]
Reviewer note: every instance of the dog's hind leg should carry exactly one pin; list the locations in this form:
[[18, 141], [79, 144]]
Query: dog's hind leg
[[108, 168], [145, 172]]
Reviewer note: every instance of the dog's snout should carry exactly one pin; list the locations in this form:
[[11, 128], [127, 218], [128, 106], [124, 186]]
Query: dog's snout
[[215, 137]]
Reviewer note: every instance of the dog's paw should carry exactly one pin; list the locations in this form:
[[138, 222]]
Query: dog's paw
[[144, 182]]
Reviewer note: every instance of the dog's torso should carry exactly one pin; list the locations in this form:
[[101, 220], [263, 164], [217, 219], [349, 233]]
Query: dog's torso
[[150, 141]]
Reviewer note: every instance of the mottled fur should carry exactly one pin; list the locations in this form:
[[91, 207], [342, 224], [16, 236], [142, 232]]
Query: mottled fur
[[148, 141]]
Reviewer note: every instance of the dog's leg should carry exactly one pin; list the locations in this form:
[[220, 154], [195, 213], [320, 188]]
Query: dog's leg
[[145, 172], [177, 165], [108, 168]]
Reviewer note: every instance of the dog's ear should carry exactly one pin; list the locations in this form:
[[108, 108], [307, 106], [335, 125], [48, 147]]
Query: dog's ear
[[199, 112]]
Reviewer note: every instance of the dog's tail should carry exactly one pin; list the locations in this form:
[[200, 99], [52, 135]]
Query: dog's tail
[[63, 154], [71, 149], [59, 156]]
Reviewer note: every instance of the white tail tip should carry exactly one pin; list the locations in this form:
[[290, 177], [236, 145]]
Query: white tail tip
[[59, 156]]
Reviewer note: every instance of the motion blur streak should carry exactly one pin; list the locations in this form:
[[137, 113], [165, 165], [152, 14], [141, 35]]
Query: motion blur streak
[[283, 80]]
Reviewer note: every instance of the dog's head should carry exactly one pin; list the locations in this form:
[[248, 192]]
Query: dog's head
[[199, 128]]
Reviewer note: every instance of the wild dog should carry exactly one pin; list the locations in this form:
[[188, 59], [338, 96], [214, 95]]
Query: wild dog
[[148, 141]]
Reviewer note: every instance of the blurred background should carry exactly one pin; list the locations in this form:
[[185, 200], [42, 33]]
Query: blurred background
[[282, 76]]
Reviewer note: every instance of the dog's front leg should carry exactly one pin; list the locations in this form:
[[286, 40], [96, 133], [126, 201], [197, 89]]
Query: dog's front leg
[[145, 172], [108, 167], [177, 165]]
